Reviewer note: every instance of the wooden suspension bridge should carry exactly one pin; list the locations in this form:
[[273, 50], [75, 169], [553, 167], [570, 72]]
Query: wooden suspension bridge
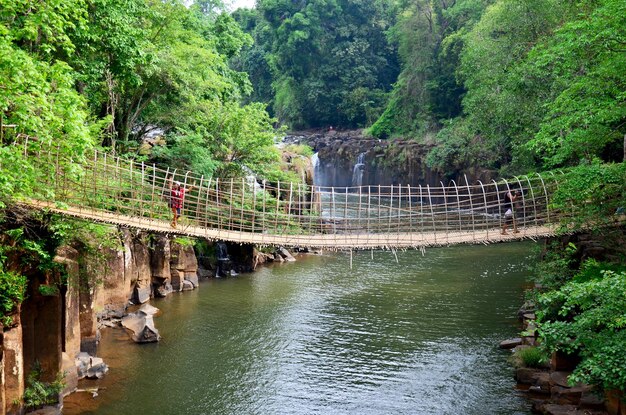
[[111, 190]]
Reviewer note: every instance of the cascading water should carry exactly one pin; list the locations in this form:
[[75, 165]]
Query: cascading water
[[251, 180], [357, 171], [224, 266], [315, 162]]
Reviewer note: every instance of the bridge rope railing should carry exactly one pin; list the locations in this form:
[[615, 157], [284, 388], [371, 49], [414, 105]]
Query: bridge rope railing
[[107, 184]]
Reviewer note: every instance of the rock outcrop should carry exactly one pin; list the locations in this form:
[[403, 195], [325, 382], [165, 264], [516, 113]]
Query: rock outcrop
[[344, 156], [141, 324]]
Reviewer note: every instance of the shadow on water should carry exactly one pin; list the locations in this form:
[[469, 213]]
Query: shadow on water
[[313, 337]]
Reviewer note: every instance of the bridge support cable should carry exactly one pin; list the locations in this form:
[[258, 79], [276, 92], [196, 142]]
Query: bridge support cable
[[110, 189]]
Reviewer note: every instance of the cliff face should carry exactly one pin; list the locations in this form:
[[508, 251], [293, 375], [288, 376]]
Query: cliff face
[[351, 159], [52, 327]]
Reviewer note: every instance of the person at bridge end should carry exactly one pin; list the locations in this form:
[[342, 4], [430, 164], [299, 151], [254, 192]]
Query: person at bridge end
[[509, 216], [177, 197]]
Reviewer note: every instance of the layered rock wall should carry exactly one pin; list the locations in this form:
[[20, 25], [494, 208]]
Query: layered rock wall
[[383, 162], [57, 322]]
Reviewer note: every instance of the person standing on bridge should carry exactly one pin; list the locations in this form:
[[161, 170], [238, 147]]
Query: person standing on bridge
[[177, 197], [509, 215]]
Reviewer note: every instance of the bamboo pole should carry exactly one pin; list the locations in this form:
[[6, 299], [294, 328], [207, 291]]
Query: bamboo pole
[[277, 207]]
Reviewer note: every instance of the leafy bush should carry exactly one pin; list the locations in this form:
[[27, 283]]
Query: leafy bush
[[300, 149], [557, 267], [589, 319], [12, 292], [38, 393], [530, 357], [590, 195]]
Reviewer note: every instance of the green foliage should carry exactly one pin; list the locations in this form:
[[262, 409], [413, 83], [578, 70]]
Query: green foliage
[[586, 65], [37, 393], [12, 293], [457, 147], [184, 241], [530, 357], [299, 149], [590, 195], [430, 39], [589, 318], [329, 63], [557, 266]]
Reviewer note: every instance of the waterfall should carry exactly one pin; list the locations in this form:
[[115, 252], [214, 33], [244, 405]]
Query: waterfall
[[251, 180], [357, 171], [315, 162]]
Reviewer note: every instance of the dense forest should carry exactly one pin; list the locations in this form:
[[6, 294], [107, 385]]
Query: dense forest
[[516, 85], [513, 86]]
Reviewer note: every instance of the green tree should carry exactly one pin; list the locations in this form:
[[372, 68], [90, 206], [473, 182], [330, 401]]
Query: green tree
[[330, 62], [430, 38], [588, 318], [585, 64]]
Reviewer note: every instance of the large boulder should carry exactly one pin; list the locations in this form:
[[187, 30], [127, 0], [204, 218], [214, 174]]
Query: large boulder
[[141, 324], [286, 255]]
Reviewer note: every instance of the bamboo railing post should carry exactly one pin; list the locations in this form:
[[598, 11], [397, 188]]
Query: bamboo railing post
[[345, 210], [421, 217], [105, 180], [312, 196], [399, 210], [521, 189], [263, 220], [378, 218], [198, 219], [141, 195], [289, 204], [130, 185], [545, 192], [445, 207], [411, 230], [399, 214], [333, 215], [206, 205], [508, 189], [389, 210], [118, 196], [95, 179], [486, 211], [184, 209], [532, 195], [253, 219], [243, 201], [153, 212], [369, 208], [432, 213], [469, 193], [218, 207], [500, 213], [458, 202], [230, 205], [360, 207], [277, 206]]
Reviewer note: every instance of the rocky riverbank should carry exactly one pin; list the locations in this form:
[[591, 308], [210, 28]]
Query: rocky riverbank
[[546, 382], [58, 330]]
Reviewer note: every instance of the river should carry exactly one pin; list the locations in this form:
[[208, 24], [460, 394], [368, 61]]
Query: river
[[419, 336]]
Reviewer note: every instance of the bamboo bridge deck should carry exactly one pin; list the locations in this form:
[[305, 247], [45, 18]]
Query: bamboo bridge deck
[[107, 189]]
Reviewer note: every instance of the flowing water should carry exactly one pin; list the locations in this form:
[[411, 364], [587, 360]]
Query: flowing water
[[314, 337]]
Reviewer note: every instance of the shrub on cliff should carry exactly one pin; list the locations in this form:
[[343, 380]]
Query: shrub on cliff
[[587, 316], [12, 291], [530, 357]]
